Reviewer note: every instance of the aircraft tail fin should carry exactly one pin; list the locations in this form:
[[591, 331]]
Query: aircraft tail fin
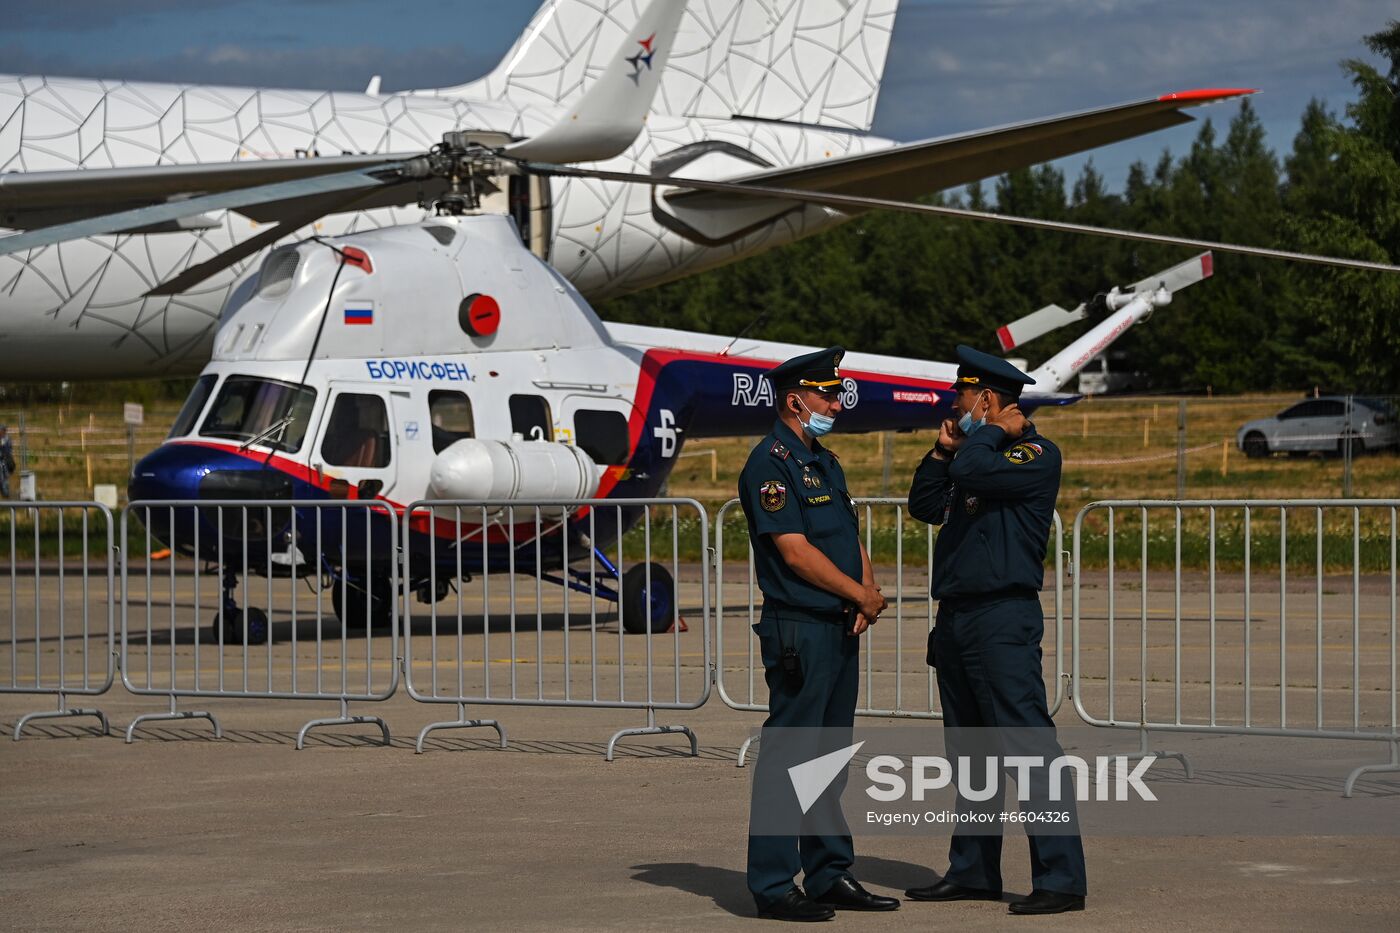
[[817, 62], [801, 61]]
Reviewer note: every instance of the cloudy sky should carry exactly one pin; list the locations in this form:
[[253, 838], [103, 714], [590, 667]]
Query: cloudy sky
[[954, 65]]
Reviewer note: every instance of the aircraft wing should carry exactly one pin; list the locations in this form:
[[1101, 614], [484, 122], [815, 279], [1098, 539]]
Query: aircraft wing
[[29, 200], [912, 169]]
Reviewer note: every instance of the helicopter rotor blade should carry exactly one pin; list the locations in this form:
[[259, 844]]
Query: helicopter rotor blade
[[210, 267], [858, 202], [224, 200]]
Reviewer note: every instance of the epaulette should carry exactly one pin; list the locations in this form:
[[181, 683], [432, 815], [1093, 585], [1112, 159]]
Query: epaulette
[[779, 450]]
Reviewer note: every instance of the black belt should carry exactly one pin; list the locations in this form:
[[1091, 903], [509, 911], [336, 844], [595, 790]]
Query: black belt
[[834, 616], [971, 599]]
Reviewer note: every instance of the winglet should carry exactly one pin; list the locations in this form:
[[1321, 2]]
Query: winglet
[[605, 121]]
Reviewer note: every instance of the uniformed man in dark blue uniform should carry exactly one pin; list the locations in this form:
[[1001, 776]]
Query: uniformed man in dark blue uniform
[[819, 594], [991, 481]]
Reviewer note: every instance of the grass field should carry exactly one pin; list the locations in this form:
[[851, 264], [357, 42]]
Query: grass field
[[1113, 449]]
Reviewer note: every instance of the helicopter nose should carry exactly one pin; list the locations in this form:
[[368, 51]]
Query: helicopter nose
[[171, 471], [191, 472]]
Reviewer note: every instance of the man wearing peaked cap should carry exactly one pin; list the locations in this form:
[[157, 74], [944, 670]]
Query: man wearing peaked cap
[[819, 595], [991, 481]]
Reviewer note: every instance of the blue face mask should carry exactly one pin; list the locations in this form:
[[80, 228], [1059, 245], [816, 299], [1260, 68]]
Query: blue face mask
[[967, 425], [816, 425]]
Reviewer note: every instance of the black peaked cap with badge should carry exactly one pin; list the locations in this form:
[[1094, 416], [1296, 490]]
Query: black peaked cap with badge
[[980, 370], [817, 370]]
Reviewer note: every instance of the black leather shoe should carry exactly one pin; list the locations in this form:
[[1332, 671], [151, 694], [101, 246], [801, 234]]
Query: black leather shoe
[[796, 906], [1047, 902], [948, 891], [847, 894]]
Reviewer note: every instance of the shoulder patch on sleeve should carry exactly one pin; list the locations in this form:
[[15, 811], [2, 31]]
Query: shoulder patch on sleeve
[[1023, 453], [772, 495], [779, 450]]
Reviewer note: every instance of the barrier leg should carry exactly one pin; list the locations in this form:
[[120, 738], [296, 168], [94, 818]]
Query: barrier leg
[[744, 751], [1143, 752], [173, 714], [461, 722], [62, 712], [344, 719], [1393, 765], [652, 728]]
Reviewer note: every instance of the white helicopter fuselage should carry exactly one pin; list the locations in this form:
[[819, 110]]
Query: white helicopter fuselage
[[381, 351]]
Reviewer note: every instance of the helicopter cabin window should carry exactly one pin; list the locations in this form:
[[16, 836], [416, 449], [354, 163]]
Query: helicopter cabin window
[[451, 417], [261, 411], [602, 435], [357, 432], [190, 411], [529, 417]]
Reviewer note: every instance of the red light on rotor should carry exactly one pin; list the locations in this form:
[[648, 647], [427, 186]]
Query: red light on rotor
[[354, 256], [479, 315]]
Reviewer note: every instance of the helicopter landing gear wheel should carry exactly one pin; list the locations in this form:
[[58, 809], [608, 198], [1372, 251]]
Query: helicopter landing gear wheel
[[233, 621], [648, 609], [355, 608]]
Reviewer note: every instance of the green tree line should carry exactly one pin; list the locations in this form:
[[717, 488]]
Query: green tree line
[[914, 286]]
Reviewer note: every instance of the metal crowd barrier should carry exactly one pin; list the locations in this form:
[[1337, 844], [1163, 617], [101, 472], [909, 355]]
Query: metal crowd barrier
[[896, 681], [1301, 642], [559, 636], [59, 634], [293, 600]]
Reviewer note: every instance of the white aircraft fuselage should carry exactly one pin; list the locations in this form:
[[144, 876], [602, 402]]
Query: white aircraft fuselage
[[81, 301]]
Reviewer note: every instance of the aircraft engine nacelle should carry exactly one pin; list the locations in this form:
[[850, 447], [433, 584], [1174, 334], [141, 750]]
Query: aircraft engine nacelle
[[514, 469]]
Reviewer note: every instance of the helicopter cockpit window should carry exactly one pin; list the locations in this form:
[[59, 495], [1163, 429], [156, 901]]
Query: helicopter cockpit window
[[451, 417], [271, 413], [529, 417], [189, 412], [602, 435], [357, 433]]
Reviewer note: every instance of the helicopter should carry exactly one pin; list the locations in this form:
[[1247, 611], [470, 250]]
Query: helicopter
[[444, 360]]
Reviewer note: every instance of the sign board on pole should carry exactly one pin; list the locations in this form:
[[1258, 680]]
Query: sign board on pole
[[133, 414]]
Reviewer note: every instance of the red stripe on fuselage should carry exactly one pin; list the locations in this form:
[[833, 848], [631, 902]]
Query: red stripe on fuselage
[[656, 360]]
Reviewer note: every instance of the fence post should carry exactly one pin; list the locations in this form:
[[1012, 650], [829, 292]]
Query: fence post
[[1181, 449], [887, 461], [1347, 444]]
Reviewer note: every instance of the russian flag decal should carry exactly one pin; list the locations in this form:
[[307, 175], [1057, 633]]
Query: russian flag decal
[[360, 313]]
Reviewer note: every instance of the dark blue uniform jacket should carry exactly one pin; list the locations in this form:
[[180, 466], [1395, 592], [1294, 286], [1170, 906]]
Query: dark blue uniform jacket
[[785, 488], [996, 501]]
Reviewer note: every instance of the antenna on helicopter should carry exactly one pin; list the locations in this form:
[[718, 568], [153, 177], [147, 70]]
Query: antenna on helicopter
[[747, 327]]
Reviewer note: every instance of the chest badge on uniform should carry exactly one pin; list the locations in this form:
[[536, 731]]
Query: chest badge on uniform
[[970, 505], [772, 495], [1023, 453], [810, 479]]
